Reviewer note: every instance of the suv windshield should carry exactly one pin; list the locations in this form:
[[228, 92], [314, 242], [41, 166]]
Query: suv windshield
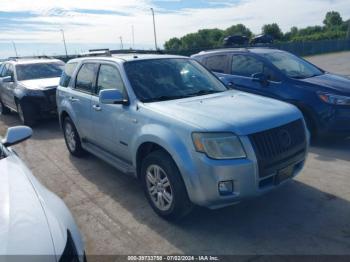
[[167, 79], [37, 71], [292, 66]]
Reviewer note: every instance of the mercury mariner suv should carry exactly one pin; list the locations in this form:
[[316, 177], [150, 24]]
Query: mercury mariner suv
[[28, 87], [170, 122]]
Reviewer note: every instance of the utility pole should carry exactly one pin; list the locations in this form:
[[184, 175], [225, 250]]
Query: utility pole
[[14, 47], [133, 36], [64, 42], [154, 29], [121, 43]]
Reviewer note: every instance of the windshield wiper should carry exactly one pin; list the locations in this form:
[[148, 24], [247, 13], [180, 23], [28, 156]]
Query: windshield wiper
[[205, 92], [164, 98]]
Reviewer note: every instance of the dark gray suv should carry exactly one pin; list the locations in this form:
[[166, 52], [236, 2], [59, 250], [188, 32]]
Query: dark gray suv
[[28, 87]]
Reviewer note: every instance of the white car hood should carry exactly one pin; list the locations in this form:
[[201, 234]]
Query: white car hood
[[40, 84], [24, 227]]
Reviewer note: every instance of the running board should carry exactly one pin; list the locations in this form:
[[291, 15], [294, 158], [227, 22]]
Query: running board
[[109, 158]]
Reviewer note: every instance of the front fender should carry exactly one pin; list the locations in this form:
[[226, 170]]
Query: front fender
[[173, 144]]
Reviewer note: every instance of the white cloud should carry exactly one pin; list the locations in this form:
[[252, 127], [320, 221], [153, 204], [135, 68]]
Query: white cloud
[[106, 28]]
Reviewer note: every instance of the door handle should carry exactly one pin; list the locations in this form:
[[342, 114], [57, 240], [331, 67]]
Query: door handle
[[73, 99], [97, 107]]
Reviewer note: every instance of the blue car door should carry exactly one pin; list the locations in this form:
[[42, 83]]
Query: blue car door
[[243, 69]]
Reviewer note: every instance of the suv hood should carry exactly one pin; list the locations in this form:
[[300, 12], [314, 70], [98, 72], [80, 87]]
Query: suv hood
[[24, 228], [235, 111], [330, 81], [40, 84]]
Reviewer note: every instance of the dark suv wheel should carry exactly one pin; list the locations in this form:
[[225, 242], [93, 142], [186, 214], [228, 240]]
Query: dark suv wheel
[[72, 138], [3, 109], [164, 187]]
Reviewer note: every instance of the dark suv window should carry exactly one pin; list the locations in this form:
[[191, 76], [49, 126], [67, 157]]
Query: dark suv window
[[67, 74], [109, 78], [86, 77], [4, 70], [216, 63], [243, 65]]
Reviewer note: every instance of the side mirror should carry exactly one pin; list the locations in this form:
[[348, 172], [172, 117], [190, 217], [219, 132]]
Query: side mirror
[[112, 96], [16, 135], [7, 79], [260, 77]]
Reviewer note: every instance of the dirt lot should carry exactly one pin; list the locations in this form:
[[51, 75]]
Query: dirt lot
[[310, 215]]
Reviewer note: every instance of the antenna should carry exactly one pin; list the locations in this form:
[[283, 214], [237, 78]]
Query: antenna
[[14, 47]]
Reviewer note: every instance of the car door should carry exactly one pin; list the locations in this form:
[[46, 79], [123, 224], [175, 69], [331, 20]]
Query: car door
[[80, 98], [109, 121], [242, 69], [3, 71], [8, 97]]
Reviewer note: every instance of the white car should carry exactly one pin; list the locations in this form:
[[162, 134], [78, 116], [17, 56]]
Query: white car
[[33, 220]]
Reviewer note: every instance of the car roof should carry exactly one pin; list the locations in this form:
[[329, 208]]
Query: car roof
[[120, 58], [257, 50]]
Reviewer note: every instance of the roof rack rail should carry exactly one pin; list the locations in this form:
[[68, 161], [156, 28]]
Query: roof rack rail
[[15, 58], [136, 51], [96, 52], [226, 49]]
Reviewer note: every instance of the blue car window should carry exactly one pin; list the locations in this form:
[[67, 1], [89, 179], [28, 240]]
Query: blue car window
[[109, 78], [243, 65]]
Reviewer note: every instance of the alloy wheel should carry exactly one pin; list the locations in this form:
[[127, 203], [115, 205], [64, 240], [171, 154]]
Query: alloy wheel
[[70, 136], [159, 187]]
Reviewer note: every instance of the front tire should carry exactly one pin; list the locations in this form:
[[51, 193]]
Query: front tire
[[164, 187], [72, 138], [3, 109], [26, 113]]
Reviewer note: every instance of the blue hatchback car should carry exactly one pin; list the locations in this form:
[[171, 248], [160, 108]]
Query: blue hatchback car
[[323, 98]]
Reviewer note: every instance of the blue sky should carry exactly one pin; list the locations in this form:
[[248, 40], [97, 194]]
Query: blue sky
[[35, 25]]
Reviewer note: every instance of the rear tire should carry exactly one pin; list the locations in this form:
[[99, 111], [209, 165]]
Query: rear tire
[[3, 109], [26, 113], [72, 138], [164, 187]]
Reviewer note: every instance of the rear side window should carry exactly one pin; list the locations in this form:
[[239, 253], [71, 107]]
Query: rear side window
[[86, 77], [216, 63], [243, 65], [109, 78], [67, 74]]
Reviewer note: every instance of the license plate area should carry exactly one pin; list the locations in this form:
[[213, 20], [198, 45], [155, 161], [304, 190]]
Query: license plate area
[[284, 174]]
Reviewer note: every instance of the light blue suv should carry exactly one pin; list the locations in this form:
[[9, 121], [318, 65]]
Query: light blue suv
[[170, 122]]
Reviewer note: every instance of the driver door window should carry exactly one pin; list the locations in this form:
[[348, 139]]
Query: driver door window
[[109, 78], [243, 65]]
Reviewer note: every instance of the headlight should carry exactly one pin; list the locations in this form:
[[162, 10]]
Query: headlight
[[219, 145], [334, 99]]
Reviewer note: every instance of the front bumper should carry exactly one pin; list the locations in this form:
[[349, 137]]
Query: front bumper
[[44, 105], [244, 173], [335, 120]]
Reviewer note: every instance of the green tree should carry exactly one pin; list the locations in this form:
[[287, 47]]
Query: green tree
[[332, 19], [238, 29], [273, 30], [348, 31], [173, 44]]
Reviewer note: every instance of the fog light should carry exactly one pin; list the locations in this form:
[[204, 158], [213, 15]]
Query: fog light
[[226, 187]]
